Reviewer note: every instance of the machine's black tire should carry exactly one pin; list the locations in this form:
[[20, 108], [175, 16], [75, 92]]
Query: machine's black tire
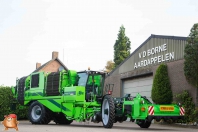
[[39, 114], [20, 90], [144, 123], [59, 118], [108, 112]]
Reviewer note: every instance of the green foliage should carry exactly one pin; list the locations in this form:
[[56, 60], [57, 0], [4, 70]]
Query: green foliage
[[122, 47], [161, 91], [191, 114], [191, 57], [109, 66], [6, 98]]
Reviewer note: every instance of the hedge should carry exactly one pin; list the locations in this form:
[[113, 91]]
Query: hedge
[[6, 99]]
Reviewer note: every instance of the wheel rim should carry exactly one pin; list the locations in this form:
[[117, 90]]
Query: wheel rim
[[36, 112], [105, 111]]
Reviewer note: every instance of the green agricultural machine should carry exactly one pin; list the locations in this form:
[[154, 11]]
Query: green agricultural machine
[[66, 96]]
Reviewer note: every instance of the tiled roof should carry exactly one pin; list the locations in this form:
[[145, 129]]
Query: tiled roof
[[38, 69]]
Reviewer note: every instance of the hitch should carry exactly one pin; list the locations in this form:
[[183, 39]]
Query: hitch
[[109, 88]]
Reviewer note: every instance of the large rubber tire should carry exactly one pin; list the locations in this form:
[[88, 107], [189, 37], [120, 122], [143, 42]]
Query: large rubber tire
[[39, 114], [144, 123], [108, 112], [20, 88], [59, 118]]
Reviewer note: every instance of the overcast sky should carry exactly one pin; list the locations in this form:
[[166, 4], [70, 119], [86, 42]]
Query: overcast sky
[[82, 31]]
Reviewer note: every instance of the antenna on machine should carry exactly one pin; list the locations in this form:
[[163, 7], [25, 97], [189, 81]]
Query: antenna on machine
[[63, 56]]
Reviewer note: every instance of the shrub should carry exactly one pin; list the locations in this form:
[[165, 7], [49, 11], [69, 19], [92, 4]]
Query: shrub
[[161, 91], [191, 113], [6, 98]]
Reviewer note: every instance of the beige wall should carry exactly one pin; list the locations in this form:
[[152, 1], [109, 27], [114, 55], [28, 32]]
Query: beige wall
[[178, 80]]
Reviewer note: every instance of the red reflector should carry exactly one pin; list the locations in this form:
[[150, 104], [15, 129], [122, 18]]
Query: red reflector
[[182, 111], [151, 110], [109, 92]]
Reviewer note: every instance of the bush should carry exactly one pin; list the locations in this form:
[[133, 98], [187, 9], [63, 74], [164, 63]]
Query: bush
[[195, 113], [191, 113], [6, 98], [161, 91]]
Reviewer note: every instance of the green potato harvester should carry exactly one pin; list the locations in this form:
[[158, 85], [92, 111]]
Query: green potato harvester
[[66, 96]]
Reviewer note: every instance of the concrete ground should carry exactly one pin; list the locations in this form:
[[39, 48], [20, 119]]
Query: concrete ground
[[26, 126]]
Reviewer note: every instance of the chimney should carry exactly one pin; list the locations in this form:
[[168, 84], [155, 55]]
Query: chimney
[[38, 65], [54, 55]]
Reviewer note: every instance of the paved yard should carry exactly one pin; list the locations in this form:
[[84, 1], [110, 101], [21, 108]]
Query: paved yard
[[26, 126]]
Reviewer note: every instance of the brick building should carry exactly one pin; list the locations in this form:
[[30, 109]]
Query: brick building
[[135, 74], [54, 65]]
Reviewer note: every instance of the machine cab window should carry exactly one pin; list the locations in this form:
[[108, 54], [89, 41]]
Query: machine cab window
[[35, 81], [93, 82]]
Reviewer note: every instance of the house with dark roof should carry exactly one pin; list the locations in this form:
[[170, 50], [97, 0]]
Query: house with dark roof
[[136, 73], [53, 65]]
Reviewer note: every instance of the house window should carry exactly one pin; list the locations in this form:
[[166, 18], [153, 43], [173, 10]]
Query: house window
[[60, 68]]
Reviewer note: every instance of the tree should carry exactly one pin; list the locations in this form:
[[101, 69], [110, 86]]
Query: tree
[[122, 47], [191, 57], [110, 66], [161, 91]]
